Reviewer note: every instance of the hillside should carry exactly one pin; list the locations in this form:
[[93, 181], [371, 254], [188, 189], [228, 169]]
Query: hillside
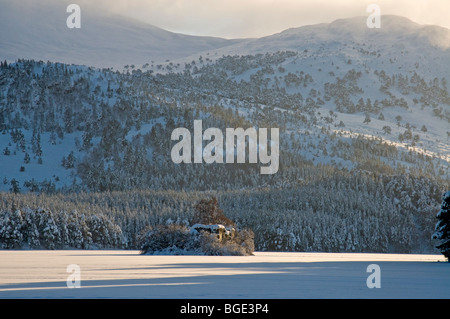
[[103, 41], [363, 120]]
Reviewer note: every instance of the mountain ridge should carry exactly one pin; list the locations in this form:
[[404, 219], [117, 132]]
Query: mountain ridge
[[106, 40]]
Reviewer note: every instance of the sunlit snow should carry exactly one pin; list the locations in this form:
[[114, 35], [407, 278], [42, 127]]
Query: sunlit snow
[[126, 274]]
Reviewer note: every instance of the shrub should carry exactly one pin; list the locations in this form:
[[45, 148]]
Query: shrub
[[181, 240], [168, 239]]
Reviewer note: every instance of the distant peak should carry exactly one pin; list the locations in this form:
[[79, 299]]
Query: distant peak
[[393, 29], [386, 21]]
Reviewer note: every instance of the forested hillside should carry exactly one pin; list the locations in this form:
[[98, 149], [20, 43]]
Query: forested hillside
[[363, 161], [336, 213], [72, 127]]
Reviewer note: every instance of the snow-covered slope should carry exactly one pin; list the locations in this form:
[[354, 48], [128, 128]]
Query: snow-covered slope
[[38, 30], [328, 51], [394, 30], [399, 39], [340, 79]]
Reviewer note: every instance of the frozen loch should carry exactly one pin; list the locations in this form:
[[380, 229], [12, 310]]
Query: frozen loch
[[127, 274]]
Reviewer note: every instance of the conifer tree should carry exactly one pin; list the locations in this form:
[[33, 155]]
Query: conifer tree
[[442, 229]]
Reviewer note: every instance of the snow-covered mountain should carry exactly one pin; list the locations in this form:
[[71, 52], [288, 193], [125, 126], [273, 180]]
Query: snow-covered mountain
[[37, 30], [315, 82], [398, 40], [363, 116], [393, 30]]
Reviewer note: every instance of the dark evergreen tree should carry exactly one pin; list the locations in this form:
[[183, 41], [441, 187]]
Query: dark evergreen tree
[[68, 120], [15, 188], [36, 144], [442, 229], [68, 162]]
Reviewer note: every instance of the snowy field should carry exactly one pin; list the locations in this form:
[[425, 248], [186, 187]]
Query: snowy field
[[266, 275]]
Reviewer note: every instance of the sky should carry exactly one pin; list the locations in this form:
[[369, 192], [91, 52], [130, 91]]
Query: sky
[[257, 18]]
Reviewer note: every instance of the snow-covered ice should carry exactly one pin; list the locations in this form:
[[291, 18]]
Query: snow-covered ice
[[126, 274]]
